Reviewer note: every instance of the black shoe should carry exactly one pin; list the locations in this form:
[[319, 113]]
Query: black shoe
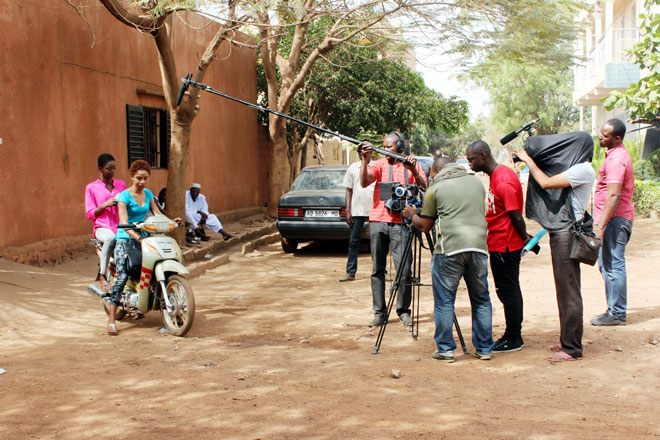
[[503, 345], [377, 321]]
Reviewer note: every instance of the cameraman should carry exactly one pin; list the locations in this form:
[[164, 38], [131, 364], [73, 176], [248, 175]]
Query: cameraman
[[456, 200], [387, 228]]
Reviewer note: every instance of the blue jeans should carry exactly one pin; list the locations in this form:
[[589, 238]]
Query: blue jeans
[[447, 272], [354, 243], [612, 265]]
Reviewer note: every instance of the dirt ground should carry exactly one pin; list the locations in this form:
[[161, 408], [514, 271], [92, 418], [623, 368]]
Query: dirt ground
[[280, 350]]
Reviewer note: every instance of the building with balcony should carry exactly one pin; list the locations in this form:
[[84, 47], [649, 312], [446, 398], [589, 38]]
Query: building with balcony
[[610, 28]]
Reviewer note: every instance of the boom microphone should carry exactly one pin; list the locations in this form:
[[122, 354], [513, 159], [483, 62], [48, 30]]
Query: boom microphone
[[511, 136], [183, 89], [187, 81]]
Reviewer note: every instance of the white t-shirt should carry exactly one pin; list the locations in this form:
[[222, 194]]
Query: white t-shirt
[[581, 177], [362, 197]]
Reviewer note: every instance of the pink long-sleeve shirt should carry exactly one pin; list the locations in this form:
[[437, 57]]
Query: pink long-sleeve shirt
[[95, 195]]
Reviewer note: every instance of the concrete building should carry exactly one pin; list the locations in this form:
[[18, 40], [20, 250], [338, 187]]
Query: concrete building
[[67, 100], [610, 27]]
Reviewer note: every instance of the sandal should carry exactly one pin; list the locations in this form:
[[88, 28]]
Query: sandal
[[227, 237], [556, 347], [561, 356], [112, 329]]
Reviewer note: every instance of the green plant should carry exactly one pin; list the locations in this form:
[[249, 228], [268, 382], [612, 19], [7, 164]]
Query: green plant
[[646, 197], [641, 98]]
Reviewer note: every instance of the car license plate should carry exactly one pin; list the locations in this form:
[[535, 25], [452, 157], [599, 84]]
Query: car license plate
[[322, 213]]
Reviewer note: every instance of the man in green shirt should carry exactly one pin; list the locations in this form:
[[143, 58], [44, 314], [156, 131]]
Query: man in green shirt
[[456, 200]]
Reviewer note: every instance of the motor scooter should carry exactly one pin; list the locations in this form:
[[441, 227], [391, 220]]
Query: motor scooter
[[158, 283]]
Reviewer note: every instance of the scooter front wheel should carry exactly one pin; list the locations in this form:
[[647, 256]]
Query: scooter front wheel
[[178, 318]]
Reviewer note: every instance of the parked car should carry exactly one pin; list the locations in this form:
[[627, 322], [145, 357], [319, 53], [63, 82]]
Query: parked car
[[466, 165], [314, 208]]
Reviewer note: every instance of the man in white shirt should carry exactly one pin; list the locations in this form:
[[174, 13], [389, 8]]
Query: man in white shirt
[[358, 205], [197, 214]]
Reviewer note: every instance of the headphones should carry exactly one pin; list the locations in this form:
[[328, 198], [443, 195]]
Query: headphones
[[400, 144]]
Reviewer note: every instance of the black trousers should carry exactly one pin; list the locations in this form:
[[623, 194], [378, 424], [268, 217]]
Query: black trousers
[[505, 267], [569, 294]]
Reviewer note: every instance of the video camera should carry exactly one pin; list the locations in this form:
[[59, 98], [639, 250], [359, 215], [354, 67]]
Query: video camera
[[399, 195]]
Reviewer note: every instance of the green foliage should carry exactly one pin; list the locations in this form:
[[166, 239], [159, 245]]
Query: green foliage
[[160, 8], [528, 75], [426, 141], [523, 92], [642, 99], [646, 197], [648, 169], [534, 32], [356, 91]]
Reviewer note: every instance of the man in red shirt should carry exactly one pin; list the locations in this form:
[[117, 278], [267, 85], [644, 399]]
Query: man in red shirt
[[387, 228], [507, 235], [613, 215]]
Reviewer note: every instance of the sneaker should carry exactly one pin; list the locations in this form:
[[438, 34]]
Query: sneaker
[[348, 277], [406, 320], [503, 345], [447, 356], [377, 321], [607, 319], [483, 356]]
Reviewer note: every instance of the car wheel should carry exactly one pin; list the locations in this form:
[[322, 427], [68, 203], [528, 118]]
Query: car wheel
[[289, 246]]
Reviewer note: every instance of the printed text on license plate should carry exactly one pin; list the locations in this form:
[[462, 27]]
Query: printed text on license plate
[[321, 213]]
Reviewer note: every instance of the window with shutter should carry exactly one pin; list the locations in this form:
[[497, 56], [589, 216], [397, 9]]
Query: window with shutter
[[148, 135]]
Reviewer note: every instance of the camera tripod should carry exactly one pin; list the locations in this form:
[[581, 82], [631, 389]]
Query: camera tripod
[[412, 249]]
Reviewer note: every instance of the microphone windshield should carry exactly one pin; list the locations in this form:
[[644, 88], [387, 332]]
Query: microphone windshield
[[508, 138]]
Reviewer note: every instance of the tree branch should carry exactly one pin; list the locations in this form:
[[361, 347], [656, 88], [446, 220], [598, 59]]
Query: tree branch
[[143, 23]]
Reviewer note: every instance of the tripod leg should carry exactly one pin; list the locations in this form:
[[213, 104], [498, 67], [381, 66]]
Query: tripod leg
[[460, 335], [416, 279], [394, 291]]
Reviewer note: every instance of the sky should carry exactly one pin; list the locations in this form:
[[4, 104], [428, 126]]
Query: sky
[[439, 76]]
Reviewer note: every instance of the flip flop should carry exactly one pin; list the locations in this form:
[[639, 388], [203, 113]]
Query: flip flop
[[112, 329], [561, 356], [227, 237], [556, 347]]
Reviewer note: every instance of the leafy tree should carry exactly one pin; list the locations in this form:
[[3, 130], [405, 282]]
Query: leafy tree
[[358, 93], [154, 18], [642, 99], [426, 141], [469, 26], [522, 92]]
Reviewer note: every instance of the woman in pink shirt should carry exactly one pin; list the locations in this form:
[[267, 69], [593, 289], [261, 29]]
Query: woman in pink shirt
[[101, 208]]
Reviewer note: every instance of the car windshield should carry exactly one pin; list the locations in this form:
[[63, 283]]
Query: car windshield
[[319, 179]]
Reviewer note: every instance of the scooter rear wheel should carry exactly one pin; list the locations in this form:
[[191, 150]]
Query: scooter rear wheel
[[179, 318]]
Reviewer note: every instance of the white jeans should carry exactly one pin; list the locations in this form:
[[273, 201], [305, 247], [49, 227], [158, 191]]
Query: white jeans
[[107, 237]]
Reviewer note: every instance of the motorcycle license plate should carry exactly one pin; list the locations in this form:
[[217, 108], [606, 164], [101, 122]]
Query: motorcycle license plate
[[322, 213]]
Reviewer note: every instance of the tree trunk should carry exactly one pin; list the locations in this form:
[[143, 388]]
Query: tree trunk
[[303, 156], [177, 172], [279, 176], [293, 157]]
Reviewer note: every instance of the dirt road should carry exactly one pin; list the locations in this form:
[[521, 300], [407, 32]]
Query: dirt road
[[280, 350]]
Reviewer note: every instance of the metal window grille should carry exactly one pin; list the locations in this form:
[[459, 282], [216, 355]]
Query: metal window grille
[[148, 135]]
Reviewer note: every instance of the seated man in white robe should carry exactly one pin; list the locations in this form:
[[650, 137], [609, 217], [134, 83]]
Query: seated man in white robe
[[197, 214]]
